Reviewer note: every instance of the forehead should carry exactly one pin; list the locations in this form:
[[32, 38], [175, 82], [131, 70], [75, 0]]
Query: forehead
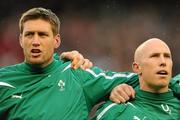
[[156, 47], [37, 25]]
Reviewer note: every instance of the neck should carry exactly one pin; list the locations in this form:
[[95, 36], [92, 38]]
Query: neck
[[153, 88], [33, 68], [40, 64]]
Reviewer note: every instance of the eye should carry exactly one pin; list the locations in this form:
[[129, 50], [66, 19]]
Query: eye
[[29, 34], [154, 55], [167, 55], [42, 34]]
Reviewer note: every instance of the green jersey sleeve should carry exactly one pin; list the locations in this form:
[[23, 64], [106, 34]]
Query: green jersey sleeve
[[97, 83], [175, 85]]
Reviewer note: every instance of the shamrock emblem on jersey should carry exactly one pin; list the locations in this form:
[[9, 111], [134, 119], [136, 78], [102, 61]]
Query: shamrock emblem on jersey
[[61, 84]]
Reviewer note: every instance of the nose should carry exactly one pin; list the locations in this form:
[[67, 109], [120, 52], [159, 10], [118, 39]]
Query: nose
[[36, 41], [162, 61]]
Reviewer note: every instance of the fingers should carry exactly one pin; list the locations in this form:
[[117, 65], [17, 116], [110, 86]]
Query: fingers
[[117, 99], [132, 92], [128, 92], [87, 64], [67, 55], [77, 59], [122, 93], [119, 94]]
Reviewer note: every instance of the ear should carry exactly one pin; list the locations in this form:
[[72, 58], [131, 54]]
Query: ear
[[57, 41], [20, 40], [136, 68]]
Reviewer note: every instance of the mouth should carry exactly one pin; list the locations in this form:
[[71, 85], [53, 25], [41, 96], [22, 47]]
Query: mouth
[[35, 52], [162, 73]]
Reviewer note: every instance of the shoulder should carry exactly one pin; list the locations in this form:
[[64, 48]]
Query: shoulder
[[175, 85], [6, 72], [176, 78], [10, 68]]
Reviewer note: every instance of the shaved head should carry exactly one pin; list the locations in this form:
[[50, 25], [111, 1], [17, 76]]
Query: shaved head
[[147, 45], [153, 63]]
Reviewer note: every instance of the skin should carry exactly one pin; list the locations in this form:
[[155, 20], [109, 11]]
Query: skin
[[38, 42], [153, 63], [78, 60]]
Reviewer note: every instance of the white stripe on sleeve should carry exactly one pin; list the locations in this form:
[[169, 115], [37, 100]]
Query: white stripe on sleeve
[[103, 74], [109, 77], [105, 110], [6, 84]]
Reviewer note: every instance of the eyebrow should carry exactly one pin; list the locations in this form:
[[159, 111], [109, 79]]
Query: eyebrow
[[156, 54], [44, 32]]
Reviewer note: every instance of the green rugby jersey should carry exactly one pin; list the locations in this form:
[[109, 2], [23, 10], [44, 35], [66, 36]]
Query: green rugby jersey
[[145, 106], [55, 92]]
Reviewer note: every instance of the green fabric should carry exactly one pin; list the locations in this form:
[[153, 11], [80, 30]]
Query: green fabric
[[55, 92], [175, 86], [145, 106]]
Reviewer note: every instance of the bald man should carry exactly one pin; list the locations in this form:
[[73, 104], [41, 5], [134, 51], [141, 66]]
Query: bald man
[[154, 100]]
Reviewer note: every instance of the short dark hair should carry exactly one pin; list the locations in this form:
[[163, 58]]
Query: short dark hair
[[40, 13]]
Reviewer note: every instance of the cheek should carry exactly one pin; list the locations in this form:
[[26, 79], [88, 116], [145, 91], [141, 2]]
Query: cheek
[[51, 44], [147, 69], [49, 48], [25, 43], [171, 64]]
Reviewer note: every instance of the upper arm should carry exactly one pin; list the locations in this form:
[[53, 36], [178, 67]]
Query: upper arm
[[98, 83]]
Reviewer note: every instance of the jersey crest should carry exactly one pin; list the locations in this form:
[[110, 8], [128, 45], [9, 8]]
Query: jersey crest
[[61, 85]]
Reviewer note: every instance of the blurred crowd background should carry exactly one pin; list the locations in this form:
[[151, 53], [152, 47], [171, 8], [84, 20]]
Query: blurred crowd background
[[105, 31]]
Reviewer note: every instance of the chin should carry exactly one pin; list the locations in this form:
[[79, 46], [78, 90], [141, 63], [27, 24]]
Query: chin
[[36, 61], [163, 85]]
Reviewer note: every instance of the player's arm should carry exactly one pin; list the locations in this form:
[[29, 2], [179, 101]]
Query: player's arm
[[119, 94], [175, 85], [98, 84]]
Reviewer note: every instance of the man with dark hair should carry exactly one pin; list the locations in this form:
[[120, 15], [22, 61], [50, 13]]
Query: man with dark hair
[[43, 88]]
